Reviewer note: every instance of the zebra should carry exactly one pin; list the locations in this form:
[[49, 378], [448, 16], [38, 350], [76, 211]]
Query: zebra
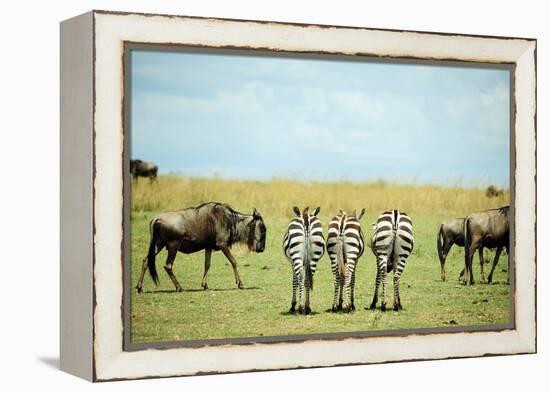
[[303, 246], [345, 245], [392, 243]]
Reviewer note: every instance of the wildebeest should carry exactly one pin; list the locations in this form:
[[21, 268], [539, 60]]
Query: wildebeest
[[211, 227], [493, 191], [452, 232], [491, 229], [140, 168]]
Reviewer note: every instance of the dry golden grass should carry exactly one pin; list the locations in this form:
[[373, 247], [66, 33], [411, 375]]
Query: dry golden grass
[[277, 197]]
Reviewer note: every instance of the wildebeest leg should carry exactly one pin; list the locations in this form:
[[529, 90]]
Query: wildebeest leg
[[495, 261], [376, 285], [172, 249], [139, 285], [442, 258], [207, 257], [233, 261], [469, 256], [481, 262], [461, 275]]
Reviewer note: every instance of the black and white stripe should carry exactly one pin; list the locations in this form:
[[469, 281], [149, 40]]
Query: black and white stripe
[[392, 243], [303, 245], [345, 245]]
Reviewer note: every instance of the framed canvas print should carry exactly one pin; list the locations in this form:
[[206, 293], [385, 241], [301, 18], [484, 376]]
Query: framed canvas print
[[247, 195]]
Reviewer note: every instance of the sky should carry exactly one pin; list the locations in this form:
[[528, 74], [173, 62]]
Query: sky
[[262, 117]]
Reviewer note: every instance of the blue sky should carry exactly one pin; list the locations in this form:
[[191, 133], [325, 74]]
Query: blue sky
[[259, 117]]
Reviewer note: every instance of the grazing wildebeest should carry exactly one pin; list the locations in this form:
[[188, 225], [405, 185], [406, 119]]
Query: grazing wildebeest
[[210, 227], [493, 191], [491, 229], [452, 232], [140, 168]]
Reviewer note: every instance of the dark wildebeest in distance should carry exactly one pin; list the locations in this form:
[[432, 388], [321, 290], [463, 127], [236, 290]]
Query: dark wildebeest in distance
[[452, 232], [210, 227], [140, 168], [493, 191], [491, 229]]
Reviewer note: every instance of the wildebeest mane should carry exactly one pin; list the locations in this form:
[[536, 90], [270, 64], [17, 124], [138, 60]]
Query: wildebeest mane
[[229, 219]]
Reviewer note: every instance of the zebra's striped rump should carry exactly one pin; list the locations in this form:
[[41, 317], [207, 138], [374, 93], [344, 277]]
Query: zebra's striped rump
[[392, 243], [303, 245], [345, 245]]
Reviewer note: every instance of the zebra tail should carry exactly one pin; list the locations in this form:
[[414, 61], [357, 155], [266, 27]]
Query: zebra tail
[[340, 258], [440, 244], [151, 254], [307, 263]]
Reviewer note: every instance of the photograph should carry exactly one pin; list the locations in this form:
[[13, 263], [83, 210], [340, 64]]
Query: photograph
[[277, 195]]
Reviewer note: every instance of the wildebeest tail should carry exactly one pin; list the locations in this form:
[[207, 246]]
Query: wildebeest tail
[[340, 258], [152, 252], [440, 243], [307, 262], [467, 239]]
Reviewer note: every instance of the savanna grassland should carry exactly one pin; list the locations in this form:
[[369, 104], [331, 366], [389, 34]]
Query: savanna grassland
[[223, 311]]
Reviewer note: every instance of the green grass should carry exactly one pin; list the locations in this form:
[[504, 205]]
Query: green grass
[[223, 311]]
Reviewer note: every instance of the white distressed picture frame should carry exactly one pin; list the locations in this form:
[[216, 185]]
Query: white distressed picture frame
[[92, 194]]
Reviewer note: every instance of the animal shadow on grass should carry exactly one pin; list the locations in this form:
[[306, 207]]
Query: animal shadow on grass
[[202, 290], [296, 313], [340, 311]]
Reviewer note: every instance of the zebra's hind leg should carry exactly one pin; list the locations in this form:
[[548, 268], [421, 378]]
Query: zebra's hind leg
[[376, 286], [383, 266], [396, 279], [396, 300], [294, 287], [307, 308], [348, 285], [336, 289], [300, 292], [353, 291], [341, 283]]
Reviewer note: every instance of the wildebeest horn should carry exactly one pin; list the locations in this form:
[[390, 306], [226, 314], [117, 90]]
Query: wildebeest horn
[[296, 210]]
